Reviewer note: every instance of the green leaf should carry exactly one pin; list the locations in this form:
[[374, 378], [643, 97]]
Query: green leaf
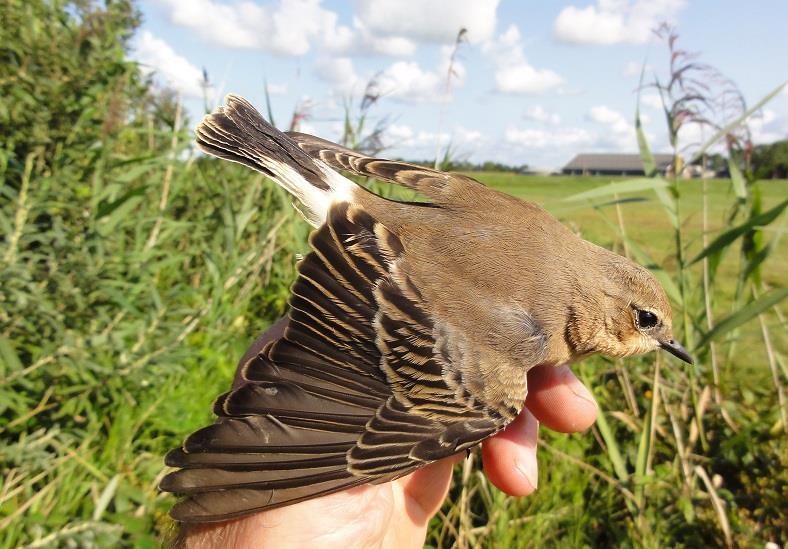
[[630, 200], [727, 129], [743, 315], [721, 243], [613, 452], [669, 205], [105, 208], [752, 268], [8, 358], [739, 185], [627, 186], [649, 164]]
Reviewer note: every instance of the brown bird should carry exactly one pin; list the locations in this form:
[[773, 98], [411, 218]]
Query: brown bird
[[411, 329]]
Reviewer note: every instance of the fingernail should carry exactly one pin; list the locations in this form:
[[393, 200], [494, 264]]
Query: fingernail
[[528, 472]]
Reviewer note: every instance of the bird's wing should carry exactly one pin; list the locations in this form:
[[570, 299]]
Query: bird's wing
[[354, 392], [439, 186]]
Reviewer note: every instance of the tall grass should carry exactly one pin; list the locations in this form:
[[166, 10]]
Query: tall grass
[[133, 274]]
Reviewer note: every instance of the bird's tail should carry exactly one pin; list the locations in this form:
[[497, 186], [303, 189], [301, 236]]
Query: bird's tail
[[237, 132]]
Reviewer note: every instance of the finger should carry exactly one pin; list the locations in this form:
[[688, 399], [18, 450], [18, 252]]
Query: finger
[[509, 457], [428, 486], [559, 400]]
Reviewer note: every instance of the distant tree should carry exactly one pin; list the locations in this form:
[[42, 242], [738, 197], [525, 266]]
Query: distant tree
[[459, 165], [771, 161]]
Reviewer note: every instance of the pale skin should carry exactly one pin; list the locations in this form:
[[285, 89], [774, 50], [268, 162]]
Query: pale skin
[[396, 514]]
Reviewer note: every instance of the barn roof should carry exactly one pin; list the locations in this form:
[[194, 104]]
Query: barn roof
[[615, 161]]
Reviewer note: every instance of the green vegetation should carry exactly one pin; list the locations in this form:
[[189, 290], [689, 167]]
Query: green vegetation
[[133, 275]]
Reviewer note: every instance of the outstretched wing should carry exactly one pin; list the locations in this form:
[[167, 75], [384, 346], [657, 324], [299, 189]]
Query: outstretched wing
[[441, 187], [354, 392]]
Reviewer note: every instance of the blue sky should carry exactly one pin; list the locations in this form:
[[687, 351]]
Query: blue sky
[[535, 83]]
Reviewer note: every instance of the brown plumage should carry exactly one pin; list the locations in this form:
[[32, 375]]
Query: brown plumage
[[412, 326]]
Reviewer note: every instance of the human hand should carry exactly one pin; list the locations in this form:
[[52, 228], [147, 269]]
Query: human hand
[[395, 514]]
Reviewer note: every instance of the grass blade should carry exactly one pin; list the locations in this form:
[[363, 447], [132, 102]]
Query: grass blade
[[646, 157], [746, 313], [613, 452], [611, 189], [739, 184], [724, 240]]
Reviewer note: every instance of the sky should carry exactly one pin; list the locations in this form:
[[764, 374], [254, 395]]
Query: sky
[[533, 83]]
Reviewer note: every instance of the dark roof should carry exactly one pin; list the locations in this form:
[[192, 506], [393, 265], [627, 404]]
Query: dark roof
[[623, 162]]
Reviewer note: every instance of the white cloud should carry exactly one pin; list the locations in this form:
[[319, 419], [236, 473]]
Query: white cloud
[[290, 28], [615, 21], [537, 113], [423, 143], [651, 100], [277, 89], [513, 73], [635, 68], [467, 136], [619, 133], [407, 81], [767, 126], [360, 40], [293, 27], [157, 57], [608, 116], [436, 21], [541, 139], [395, 46], [338, 72], [399, 134]]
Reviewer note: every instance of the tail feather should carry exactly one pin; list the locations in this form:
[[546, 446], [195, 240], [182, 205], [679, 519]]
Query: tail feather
[[238, 133]]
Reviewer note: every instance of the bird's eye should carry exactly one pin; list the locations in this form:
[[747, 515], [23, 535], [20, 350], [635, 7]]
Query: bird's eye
[[646, 319]]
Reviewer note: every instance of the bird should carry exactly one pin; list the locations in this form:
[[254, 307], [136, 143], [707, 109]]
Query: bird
[[411, 327]]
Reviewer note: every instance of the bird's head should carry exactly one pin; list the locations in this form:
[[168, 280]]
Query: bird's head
[[637, 313]]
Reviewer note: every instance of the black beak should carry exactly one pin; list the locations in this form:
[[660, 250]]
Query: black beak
[[674, 347]]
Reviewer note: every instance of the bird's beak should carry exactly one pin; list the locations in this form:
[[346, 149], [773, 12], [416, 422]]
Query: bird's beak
[[674, 347]]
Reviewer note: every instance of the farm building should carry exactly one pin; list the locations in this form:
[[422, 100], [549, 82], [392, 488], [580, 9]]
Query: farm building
[[614, 164]]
